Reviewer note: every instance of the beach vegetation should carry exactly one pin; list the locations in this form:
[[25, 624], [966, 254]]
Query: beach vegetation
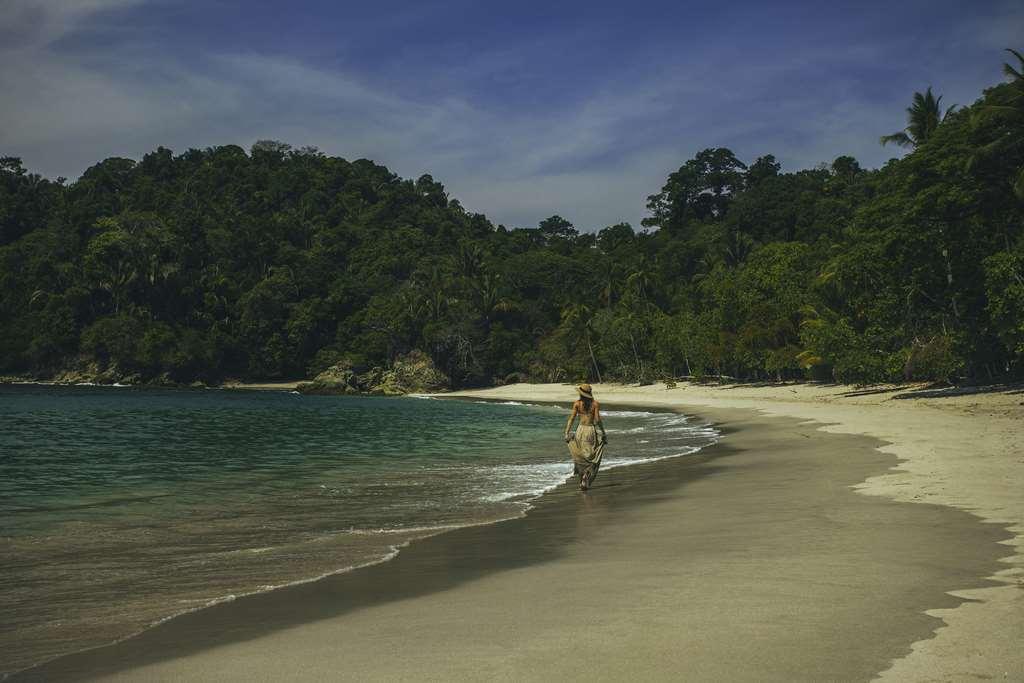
[[278, 263], [923, 116]]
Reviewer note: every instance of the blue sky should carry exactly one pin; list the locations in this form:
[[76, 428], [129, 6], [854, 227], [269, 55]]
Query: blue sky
[[521, 109]]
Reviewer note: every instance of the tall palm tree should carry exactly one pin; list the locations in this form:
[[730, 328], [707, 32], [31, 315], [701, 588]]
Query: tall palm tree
[[923, 116], [633, 320], [581, 315], [608, 282]]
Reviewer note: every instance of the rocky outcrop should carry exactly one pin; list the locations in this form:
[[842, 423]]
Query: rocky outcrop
[[339, 379], [412, 373], [85, 371]]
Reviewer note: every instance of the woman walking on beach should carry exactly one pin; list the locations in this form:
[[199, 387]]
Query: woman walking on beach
[[584, 446]]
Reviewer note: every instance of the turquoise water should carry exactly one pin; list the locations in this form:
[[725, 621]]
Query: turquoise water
[[122, 507]]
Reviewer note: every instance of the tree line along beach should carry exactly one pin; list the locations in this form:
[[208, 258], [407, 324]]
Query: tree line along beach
[[217, 264]]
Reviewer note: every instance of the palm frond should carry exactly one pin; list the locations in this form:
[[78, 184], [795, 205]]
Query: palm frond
[[996, 110], [808, 359], [982, 153], [1012, 72], [901, 139]]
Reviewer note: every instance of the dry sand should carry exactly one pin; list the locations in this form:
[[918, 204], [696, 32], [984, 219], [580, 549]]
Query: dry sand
[[757, 559], [262, 386]]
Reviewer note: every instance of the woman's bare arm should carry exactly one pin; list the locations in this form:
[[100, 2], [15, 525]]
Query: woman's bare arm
[[572, 416], [599, 422]]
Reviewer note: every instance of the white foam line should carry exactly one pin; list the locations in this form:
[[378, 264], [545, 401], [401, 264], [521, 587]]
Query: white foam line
[[533, 494], [403, 530], [515, 403], [630, 413], [612, 464]]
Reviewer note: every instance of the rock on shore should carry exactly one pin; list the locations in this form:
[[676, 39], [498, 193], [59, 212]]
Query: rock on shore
[[413, 372]]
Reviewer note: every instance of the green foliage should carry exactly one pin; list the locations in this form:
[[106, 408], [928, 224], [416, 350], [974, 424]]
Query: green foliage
[[1004, 288], [935, 358], [115, 339], [283, 263], [923, 116]]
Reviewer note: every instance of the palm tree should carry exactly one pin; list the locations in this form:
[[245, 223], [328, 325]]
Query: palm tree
[[434, 289], [633, 320], [581, 315], [469, 260], [923, 116], [1011, 110], [1015, 74], [738, 246], [489, 296], [607, 292], [639, 281]]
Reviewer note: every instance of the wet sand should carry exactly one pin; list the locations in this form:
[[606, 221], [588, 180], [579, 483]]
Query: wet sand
[[752, 560], [958, 447]]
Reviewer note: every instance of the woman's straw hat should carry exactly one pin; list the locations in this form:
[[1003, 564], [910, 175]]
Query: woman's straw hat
[[585, 390]]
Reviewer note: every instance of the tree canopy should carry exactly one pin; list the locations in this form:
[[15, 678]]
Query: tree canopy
[[279, 262]]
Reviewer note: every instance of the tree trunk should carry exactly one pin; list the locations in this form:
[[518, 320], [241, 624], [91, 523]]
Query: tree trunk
[[639, 366], [949, 283], [593, 359]]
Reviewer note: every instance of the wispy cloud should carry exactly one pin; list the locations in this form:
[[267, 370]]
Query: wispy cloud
[[36, 23], [517, 130]]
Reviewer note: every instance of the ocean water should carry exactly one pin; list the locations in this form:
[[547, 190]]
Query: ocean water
[[122, 507]]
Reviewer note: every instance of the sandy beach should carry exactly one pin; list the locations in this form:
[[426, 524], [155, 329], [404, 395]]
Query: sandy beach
[[261, 386], [960, 449], [833, 534]]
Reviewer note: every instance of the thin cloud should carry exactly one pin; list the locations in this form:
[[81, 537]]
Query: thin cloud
[[35, 23], [591, 152]]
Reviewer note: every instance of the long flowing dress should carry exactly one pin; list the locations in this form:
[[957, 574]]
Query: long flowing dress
[[586, 451]]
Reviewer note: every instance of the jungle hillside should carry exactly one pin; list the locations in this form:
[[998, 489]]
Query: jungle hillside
[[278, 263]]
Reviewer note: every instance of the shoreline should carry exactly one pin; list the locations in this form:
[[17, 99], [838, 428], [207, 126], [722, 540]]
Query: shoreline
[[168, 647], [958, 448], [524, 504], [289, 385], [60, 668]]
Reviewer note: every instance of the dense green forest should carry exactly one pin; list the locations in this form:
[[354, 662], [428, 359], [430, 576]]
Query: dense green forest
[[280, 262]]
